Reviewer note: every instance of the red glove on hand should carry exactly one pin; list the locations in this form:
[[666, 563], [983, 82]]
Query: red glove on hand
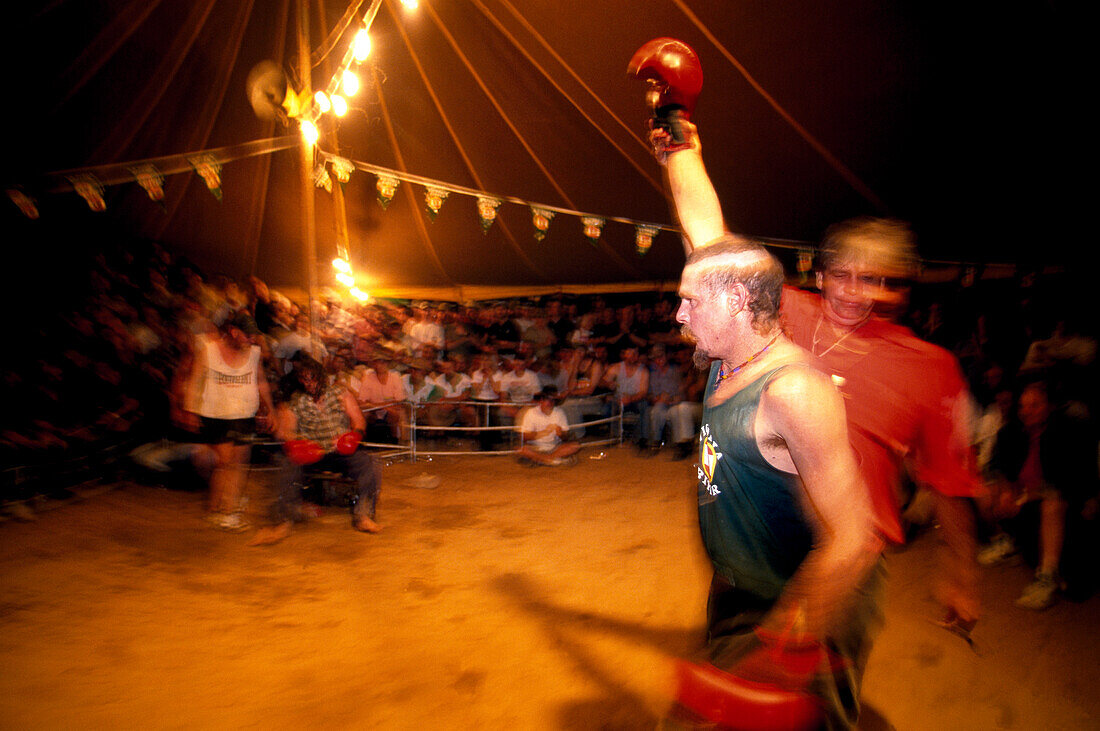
[[727, 699], [674, 78], [786, 662], [303, 451], [348, 442]]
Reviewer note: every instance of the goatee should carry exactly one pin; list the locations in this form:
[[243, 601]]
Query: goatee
[[700, 359]]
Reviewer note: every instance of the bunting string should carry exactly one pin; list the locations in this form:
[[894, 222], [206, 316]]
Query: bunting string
[[90, 183]]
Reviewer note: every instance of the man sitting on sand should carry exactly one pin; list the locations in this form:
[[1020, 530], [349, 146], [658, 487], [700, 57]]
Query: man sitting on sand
[[544, 429]]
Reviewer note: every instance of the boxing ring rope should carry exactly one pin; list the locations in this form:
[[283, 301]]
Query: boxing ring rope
[[410, 446]]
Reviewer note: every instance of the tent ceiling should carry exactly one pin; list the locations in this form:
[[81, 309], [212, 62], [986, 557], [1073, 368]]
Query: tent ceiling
[[811, 112]]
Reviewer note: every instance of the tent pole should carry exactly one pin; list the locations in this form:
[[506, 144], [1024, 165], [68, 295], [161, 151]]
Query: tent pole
[[309, 238]]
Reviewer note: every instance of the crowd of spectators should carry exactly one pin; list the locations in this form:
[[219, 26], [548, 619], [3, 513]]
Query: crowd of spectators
[[89, 380]]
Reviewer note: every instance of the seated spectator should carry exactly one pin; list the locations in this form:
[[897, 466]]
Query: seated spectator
[[502, 333], [666, 392], [1046, 460], [559, 370], [545, 432], [459, 341], [584, 398], [518, 387], [299, 340], [321, 414], [380, 396], [538, 336], [559, 322], [454, 386], [630, 381], [485, 378]]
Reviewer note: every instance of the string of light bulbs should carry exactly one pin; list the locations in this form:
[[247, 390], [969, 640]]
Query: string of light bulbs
[[344, 83]]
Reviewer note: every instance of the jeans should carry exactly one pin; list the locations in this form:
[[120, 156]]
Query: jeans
[[360, 466]]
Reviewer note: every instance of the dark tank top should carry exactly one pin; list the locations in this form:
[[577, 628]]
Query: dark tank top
[[750, 515]]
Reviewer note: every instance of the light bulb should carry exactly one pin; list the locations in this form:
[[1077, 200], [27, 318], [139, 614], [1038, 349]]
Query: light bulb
[[341, 265], [339, 105], [359, 294], [345, 279], [322, 101], [410, 4], [350, 82], [309, 132], [360, 47]]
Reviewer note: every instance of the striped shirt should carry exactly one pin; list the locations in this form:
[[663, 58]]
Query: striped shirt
[[322, 421]]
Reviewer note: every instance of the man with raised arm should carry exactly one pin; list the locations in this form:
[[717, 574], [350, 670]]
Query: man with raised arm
[[784, 515], [906, 399]]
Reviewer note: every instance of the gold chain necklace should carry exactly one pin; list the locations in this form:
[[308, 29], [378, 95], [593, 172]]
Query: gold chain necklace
[[816, 338], [722, 375]]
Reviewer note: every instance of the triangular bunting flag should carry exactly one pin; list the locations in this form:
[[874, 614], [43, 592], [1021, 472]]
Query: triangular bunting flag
[[25, 202], [541, 218], [151, 181], [433, 199], [342, 168], [91, 190], [487, 211], [643, 237], [593, 227], [805, 264], [386, 187], [210, 170], [321, 177]]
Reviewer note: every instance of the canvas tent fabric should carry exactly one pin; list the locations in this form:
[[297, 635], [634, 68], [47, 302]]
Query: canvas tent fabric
[[811, 112]]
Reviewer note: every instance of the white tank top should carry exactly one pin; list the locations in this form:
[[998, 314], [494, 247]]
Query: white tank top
[[628, 383], [228, 392]]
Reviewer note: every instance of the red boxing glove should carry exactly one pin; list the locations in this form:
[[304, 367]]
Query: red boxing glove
[[348, 442], [727, 699], [787, 662], [674, 78], [303, 451]]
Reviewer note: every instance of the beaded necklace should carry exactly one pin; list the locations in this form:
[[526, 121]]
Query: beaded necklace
[[722, 375]]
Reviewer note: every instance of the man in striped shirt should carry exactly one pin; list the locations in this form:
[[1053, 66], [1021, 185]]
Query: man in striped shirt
[[321, 413]]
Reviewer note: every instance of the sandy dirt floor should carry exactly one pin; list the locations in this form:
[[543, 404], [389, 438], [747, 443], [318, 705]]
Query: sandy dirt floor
[[506, 598]]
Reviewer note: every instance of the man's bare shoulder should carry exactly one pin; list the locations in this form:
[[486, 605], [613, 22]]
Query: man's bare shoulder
[[800, 393], [800, 379]]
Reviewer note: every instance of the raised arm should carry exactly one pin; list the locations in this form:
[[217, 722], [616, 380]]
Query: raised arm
[[694, 201]]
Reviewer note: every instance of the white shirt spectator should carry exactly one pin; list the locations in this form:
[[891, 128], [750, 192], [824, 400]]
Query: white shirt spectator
[[535, 420], [520, 387]]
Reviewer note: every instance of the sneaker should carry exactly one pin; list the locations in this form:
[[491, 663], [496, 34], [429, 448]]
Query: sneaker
[[232, 522], [1040, 593], [999, 550]]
